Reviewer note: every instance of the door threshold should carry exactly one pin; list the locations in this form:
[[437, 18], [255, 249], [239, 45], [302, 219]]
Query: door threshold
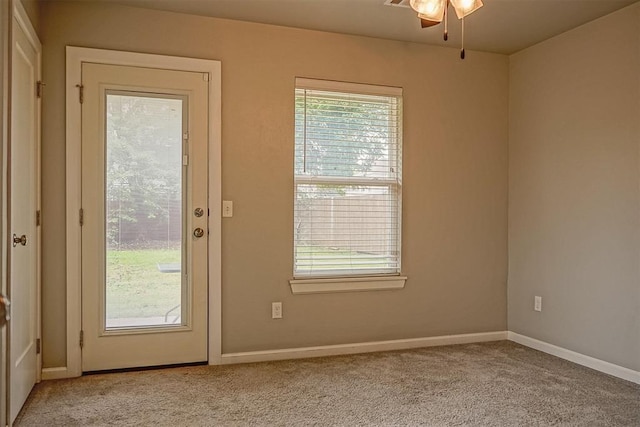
[[145, 368]]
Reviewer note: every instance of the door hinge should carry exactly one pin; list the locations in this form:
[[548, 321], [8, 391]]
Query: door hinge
[[185, 160], [38, 218], [81, 339], [38, 346], [81, 217], [80, 93], [39, 88], [205, 77]]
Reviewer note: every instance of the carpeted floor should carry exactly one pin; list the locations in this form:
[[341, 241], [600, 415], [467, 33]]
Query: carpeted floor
[[489, 384]]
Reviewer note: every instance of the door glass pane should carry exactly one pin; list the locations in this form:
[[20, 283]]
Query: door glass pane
[[144, 203]]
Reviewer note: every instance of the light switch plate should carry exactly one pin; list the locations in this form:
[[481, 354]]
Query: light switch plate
[[227, 208], [276, 310]]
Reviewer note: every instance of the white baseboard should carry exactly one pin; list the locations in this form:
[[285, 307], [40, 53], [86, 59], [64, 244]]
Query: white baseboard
[[406, 344], [580, 359], [328, 350], [367, 347], [55, 373]]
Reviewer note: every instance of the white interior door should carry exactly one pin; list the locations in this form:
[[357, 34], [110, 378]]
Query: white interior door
[[23, 200], [144, 216], [4, 106]]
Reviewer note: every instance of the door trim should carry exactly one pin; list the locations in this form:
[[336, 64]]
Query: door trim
[[75, 57]]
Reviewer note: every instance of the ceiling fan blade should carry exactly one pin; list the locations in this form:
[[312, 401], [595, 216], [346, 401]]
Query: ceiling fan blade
[[424, 23]]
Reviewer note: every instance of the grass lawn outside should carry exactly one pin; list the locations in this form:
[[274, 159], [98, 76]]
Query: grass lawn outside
[[136, 288], [328, 258]]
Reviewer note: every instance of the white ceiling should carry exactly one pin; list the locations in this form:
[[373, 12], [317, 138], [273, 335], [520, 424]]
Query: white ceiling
[[501, 26]]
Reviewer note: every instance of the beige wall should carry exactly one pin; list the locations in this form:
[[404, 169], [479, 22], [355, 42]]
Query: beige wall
[[32, 7], [455, 175], [574, 200]]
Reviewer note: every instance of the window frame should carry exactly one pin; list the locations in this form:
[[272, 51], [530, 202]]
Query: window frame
[[324, 281]]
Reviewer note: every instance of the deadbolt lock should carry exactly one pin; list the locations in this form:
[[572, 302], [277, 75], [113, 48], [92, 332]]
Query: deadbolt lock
[[198, 233], [22, 240]]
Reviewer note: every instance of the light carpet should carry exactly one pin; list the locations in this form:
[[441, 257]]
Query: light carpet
[[488, 384]]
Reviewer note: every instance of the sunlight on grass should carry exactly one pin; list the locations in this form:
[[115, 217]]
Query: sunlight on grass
[[136, 288]]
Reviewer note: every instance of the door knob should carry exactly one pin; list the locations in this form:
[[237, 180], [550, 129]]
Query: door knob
[[5, 310], [198, 233], [22, 240]]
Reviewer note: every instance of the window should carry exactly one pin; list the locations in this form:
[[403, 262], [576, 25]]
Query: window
[[348, 177]]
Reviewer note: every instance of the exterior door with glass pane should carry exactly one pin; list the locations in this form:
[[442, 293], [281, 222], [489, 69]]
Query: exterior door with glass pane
[[144, 217]]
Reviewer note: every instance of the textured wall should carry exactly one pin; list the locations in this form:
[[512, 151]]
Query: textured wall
[[574, 218], [455, 175]]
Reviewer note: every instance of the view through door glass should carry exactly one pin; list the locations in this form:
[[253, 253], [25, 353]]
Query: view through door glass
[[144, 203]]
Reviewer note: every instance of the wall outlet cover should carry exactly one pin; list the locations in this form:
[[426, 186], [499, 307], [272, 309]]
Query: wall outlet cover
[[276, 310]]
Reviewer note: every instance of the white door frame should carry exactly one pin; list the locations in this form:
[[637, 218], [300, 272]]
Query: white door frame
[[75, 57]]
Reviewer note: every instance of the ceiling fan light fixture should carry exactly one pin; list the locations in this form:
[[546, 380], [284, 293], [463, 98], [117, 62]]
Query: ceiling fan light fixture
[[466, 7], [425, 23], [429, 10]]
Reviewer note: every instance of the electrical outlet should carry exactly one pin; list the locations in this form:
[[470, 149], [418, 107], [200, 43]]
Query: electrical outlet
[[537, 303], [276, 310]]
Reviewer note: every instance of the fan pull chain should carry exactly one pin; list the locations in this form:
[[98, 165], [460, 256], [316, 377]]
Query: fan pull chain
[[462, 50], [446, 21]]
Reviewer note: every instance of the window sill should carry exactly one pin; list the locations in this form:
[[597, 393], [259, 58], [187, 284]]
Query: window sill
[[346, 284]]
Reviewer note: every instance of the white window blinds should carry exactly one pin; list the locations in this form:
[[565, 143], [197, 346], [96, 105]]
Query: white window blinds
[[347, 179]]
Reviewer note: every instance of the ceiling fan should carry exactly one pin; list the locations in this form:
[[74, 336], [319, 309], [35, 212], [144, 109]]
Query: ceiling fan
[[433, 12]]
